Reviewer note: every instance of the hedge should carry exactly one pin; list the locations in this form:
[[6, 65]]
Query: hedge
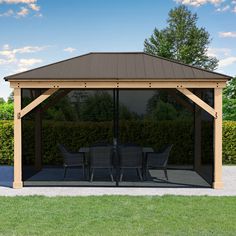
[[76, 135]]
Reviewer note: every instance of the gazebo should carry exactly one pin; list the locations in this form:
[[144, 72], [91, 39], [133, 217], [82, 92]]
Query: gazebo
[[122, 73]]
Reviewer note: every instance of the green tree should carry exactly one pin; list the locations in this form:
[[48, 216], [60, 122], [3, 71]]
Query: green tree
[[99, 107], [229, 101], [11, 98], [6, 111], [182, 40], [63, 110], [162, 111], [2, 101]]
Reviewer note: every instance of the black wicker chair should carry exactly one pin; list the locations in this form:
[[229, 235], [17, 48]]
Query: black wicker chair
[[101, 158], [158, 160], [130, 158], [72, 159]]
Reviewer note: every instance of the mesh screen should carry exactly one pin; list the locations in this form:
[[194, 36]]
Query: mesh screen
[[149, 119]]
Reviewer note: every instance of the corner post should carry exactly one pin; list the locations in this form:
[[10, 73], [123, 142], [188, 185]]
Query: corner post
[[17, 140], [218, 184]]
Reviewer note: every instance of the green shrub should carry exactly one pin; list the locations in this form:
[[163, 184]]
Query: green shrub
[[76, 135], [229, 142], [6, 142]]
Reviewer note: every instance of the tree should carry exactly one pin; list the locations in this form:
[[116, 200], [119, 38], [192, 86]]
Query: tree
[[182, 40], [6, 111], [163, 111], [2, 101], [11, 97], [229, 101], [100, 107]]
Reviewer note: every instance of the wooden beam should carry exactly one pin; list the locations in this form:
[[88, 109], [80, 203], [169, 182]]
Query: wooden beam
[[148, 84], [198, 101], [17, 140], [37, 101], [181, 101], [218, 184], [57, 98]]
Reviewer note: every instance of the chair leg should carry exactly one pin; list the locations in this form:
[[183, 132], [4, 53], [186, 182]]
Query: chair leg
[[83, 172], [146, 173], [65, 170], [121, 174], [165, 170], [91, 177], [111, 175], [139, 174]]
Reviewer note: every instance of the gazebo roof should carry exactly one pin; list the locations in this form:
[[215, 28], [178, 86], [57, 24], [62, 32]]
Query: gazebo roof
[[117, 66]]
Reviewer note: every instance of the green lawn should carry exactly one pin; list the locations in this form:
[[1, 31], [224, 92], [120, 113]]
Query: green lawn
[[118, 215]]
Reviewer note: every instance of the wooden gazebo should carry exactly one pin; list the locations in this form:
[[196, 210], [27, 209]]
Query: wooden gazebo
[[120, 71]]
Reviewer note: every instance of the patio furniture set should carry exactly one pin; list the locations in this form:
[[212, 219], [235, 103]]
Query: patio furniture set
[[102, 156]]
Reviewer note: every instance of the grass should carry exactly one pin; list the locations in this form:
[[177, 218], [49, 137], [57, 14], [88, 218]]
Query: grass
[[117, 215]]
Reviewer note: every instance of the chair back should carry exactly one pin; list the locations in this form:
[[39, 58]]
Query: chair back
[[159, 159], [130, 156], [101, 156], [70, 159], [63, 150]]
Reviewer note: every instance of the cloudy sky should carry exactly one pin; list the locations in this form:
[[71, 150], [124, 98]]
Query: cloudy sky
[[38, 32]]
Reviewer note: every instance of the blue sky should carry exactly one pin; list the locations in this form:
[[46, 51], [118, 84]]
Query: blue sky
[[38, 32]]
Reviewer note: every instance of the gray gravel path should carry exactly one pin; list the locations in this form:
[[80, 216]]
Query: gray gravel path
[[6, 176]]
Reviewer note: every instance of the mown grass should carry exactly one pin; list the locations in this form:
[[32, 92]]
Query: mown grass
[[117, 215]]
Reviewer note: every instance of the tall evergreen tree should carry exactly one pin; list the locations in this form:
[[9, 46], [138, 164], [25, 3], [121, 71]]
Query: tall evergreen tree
[[182, 40]]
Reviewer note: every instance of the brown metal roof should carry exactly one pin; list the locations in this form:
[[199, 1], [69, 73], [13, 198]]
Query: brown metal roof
[[139, 65]]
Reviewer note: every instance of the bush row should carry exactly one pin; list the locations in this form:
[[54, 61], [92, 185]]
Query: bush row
[[82, 134]]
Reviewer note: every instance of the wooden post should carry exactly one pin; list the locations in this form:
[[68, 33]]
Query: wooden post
[[197, 135], [17, 140], [38, 137], [218, 184]]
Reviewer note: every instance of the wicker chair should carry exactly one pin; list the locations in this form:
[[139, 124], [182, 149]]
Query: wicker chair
[[72, 159], [159, 160], [130, 158], [101, 158]]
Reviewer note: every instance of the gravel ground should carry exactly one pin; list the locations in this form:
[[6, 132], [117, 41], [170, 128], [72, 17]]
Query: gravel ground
[[6, 177]]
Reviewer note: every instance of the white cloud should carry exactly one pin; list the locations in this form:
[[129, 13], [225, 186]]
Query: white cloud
[[23, 12], [227, 62], [226, 58], [18, 1], [69, 49], [218, 52], [25, 64], [26, 6], [14, 57], [29, 49], [6, 47], [197, 3], [223, 9], [10, 12], [219, 4], [34, 7], [10, 54], [228, 34]]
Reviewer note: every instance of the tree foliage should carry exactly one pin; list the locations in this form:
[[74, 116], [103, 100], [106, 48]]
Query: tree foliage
[[229, 101], [6, 111], [182, 40]]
